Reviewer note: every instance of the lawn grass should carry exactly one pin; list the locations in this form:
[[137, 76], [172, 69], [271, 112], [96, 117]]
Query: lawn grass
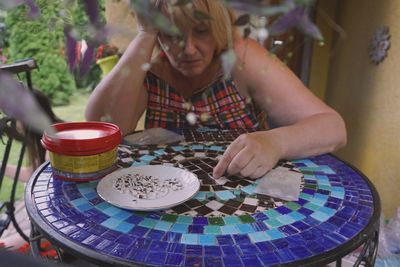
[[72, 112]]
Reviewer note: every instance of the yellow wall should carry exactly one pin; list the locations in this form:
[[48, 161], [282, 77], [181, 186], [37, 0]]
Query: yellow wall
[[368, 95]]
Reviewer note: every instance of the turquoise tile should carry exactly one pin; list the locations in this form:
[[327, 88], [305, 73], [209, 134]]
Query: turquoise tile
[[184, 219], [159, 152], [325, 187], [212, 229], [201, 195], [231, 220], [122, 215], [178, 148], [124, 227], [327, 210], [249, 189], [245, 228], [327, 169], [84, 207], [225, 195], [197, 147], [320, 216], [229, 229], [147, 158], [79, 201], [111, 211], [305, 196], [179, 228], [285, 219], [259, 237], [207, 240], [297, 216], [148, 223], [312, 206], [86, 190], [275, 234], [91, 195], [163, 226], [216, 148], [103, 205], [272, 223], [190, 239], [337, 192], [139, 163], [310, 177], [307, 162], [271, 213], [111, 223]]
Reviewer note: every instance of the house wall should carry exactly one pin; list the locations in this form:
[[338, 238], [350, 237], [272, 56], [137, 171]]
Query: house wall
[[368, 95]]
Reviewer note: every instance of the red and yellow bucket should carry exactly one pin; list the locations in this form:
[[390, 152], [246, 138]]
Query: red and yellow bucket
[[82, 151]]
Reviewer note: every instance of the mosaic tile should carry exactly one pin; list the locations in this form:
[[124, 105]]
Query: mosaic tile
[[225, 224]]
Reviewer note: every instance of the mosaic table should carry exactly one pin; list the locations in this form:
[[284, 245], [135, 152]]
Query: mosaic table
[[225, 224]]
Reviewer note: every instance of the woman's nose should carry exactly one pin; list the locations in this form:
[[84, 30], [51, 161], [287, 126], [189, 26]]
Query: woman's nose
[[189, 46]]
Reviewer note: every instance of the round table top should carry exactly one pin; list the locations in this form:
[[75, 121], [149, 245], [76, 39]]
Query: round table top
[[225, 224]]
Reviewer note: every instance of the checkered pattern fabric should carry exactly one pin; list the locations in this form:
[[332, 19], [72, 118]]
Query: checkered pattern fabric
[[218, 105]]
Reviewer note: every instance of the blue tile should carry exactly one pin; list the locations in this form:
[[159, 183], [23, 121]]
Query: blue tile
[[126, 240], [285, 255], [174, 259], [241, 239], [225, 240], [200, 220], [269, 259], [156, 258], [230, 250], [300, 252], [119, 251], [315, 247], [283, 210], [196, 250], [265, 246], [192, 261], [280, 243], [158, 246], [196, 229], [213, 262], [252, 261], [142, 244], [248, 249], [172, 237], [233, 261], [155, 234], [212, 251], [139, 231]]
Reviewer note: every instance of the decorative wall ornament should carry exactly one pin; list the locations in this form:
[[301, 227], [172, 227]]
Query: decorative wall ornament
[[379, 44]]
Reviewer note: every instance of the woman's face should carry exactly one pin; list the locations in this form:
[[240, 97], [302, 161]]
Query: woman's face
[[191, 52]]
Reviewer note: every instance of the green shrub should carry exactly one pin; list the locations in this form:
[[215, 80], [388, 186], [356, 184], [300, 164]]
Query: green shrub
[[42, 38]]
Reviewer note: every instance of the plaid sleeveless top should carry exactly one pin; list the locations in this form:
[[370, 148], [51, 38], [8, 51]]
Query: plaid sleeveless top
[[219, 105]]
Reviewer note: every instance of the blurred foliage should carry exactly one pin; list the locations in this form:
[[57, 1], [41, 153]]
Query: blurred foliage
[[42, 38]]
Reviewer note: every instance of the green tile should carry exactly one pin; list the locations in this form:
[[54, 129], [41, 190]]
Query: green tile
[[246, 219], [148, 223], [231, 220], [273, 223], [312, 206], [216, 221], [311, 186], [169, 217], [184, 219], [272, 213], [292, 205], [212, 229]]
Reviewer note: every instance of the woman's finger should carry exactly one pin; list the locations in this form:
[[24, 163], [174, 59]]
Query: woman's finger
[[227, 157]]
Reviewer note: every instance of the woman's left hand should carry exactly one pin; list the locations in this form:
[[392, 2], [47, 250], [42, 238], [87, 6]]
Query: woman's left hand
[[250, 155]]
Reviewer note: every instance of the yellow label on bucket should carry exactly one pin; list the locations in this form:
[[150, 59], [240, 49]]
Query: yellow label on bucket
[[83, 164]]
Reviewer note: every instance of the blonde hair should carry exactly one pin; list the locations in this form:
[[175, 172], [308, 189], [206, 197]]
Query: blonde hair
[[221, 21]]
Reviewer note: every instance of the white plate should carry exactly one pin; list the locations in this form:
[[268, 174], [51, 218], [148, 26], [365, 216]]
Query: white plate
[[165, 197]]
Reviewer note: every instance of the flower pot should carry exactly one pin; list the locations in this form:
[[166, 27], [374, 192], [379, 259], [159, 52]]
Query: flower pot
[[107, 63]]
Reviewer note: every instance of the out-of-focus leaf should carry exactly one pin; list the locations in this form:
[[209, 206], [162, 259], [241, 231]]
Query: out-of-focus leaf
[[256, 8], [92, 10], [310, 28], [228, 59], [19, 103], [199, 15], [70, 47], [242, 20], [87, 59], [10, 4], [182, 2], [304, 2], [287, 21]]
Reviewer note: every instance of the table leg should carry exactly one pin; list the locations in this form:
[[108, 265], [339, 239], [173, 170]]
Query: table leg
[[35, 245]]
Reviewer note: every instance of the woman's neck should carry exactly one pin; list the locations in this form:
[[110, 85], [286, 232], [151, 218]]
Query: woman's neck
[[185, 85]]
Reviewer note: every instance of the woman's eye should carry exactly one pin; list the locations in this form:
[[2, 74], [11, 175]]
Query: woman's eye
[[201, 30]]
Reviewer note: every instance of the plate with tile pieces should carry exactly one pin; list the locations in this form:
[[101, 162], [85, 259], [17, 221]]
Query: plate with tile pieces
[[149, 187]]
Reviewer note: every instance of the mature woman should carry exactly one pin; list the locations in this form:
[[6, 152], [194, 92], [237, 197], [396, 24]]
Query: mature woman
[[188, 78]]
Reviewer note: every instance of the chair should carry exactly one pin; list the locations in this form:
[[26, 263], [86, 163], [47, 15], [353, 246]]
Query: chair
[[9, 133]]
